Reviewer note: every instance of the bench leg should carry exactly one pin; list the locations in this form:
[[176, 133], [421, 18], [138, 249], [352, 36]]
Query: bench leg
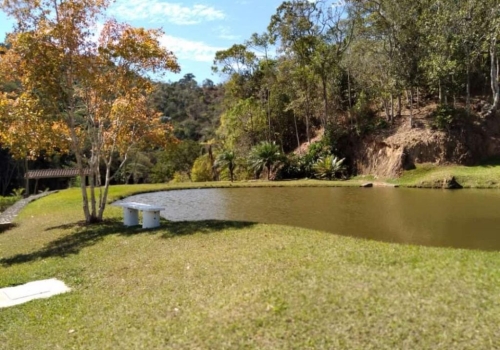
[[150, 219], [130, 217]]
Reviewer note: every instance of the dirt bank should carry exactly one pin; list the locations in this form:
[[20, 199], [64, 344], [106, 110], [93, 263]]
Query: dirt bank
[[386, 153]]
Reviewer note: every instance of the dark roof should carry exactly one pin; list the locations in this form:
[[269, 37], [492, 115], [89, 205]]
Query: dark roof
[[51, 173]]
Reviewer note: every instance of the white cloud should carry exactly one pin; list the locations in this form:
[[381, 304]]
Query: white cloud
[[226, 34], [158, 11], [190, 50]]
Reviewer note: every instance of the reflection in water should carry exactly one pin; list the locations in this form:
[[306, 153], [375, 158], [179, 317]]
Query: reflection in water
[[466, 219]]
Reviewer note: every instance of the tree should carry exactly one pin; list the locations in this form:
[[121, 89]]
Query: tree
[[264, 155], [178, 157], [89, 96], [227, 159], [193, 110], [137, 167], [202, 170], [235, 60]]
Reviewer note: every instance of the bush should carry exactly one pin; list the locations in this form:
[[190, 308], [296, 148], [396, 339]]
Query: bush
[[292, 168], [243, 171], [6, 202], [302, 166], [363, 114], [177, 158], [180, 177], [329, 167], [446, 117], [202, 169]]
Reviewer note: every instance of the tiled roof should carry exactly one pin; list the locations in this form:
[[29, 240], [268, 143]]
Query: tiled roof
[[51, 173]]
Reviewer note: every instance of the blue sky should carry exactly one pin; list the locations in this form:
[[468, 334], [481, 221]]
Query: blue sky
[[194, 30]]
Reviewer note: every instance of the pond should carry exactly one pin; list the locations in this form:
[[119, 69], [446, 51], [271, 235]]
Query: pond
[[461, 219]]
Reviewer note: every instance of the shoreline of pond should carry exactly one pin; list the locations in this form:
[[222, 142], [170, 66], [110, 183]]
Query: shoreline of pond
[[355, 183], [458, 219]]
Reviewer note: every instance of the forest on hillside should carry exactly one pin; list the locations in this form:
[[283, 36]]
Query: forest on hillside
[[345, 69], [337, 63]]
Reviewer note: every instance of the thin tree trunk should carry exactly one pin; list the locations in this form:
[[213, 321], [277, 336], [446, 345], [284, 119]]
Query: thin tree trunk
[[92, 176], [386, 108], [467, 98], [212, 163], [349, 88], [80, 167], [392, 108], [268, 96], [325, 103], [349, 93], [439, 92], [399, 105], [495, 88], [254, 141], [231, 172], [296, 130], [27, 181], [102, 204], [454, 94], [307, 116], [411, 107]]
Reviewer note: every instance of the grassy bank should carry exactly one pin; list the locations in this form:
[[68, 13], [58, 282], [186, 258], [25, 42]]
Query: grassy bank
[[6, 202], [425, 175], [227, 285]]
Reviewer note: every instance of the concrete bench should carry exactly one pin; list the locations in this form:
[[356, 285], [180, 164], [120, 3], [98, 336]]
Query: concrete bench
[[150, 214]]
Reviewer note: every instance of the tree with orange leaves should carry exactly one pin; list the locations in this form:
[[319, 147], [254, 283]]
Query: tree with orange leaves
[[79, 93]]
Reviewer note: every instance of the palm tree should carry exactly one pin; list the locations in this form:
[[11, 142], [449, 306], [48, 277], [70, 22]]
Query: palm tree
[[227, 159], [328, 167], [264, 155]]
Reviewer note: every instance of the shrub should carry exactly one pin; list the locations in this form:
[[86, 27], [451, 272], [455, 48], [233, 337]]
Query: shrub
[[265, 155], [329, 167], [445, 117], [202, 169], [6, 202], [180, 177]]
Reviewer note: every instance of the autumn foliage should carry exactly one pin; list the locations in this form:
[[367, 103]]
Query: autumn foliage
[[78, 92]]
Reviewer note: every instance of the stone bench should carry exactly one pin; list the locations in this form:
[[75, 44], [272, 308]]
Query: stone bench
[[150, 214]]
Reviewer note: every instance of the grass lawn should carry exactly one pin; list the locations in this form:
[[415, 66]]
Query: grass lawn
[[233, 285], [483, 176]]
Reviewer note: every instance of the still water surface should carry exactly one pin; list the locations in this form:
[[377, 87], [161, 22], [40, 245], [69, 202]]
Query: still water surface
[[462, 219]]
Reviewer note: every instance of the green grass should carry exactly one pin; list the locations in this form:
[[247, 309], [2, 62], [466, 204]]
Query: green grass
[[6, 202], [483, 176], [233, 285]]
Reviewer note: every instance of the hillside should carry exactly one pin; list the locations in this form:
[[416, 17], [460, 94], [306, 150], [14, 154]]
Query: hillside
[[442, 140]]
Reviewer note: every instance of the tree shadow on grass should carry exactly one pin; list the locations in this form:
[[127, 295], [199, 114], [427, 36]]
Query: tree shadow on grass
[[89, 235], [181, 228], [6, 227]]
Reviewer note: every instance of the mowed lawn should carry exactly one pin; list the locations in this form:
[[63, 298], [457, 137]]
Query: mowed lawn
[[426, 175], [229, 285]]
